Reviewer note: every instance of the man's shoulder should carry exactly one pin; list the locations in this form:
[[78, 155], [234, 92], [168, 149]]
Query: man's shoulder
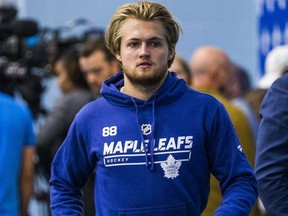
[[93, 107], [281, 83], [202, 96]]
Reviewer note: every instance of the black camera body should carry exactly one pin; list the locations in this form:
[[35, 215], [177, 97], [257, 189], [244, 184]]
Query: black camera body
[[14, 53], [18, 58], [27, 53]]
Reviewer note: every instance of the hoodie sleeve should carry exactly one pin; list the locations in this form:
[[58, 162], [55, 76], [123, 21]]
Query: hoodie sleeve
[[70, 171], [271, 166], [230, 167]]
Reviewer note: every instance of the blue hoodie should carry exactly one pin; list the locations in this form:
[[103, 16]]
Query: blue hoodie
[[187, 135]]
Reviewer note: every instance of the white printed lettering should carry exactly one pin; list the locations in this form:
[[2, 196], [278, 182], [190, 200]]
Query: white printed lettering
[[189, 141], [171, 144]]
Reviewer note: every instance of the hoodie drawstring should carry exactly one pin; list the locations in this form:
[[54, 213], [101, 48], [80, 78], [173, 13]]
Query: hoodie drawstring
[[152, 136], [151, 141], [141, 133]]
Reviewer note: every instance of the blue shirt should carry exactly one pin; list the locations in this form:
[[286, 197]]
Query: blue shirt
[[16, 132]]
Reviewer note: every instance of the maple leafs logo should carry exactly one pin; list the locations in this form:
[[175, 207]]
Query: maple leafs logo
[[171, 167]]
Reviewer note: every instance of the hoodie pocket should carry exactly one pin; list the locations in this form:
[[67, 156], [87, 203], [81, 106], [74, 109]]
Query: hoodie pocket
[[174, 210]]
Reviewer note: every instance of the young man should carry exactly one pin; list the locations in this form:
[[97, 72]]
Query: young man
[[147, 160], [97, 63]]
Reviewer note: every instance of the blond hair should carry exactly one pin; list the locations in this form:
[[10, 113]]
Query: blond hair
[[146, 11]]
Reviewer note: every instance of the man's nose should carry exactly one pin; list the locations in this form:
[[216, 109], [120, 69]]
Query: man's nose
[[144, 50], [91, 78]]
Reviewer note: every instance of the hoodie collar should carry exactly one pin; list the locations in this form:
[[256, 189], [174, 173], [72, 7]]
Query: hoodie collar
[[172, 89]]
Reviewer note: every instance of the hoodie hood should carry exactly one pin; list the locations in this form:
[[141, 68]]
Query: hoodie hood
[[171, 90]]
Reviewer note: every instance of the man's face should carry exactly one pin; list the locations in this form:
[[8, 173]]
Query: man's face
[[96, 69], [144, 52]]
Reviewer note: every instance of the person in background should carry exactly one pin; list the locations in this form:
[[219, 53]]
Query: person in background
[[144, 164], [271, 165], [57, 122], [210, 68], [255, 98], [276, 65], [236, 89], [181, 68], [75, 94], [17, 151], [97, 64]]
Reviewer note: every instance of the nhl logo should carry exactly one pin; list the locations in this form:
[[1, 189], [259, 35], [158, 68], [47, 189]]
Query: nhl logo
[[146, 129], [171, 167]]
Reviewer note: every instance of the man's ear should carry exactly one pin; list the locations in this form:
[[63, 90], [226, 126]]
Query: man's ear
[[116, 65], [118, 57], [171, 54]]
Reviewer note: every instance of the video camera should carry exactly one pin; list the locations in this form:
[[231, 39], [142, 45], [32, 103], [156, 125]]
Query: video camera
[[15, 57], [13, 54], [27, 53]]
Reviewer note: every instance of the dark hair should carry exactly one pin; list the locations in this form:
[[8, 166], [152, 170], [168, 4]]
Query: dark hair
[[70, 60], [242, 76], [93, 45], [185, 66]]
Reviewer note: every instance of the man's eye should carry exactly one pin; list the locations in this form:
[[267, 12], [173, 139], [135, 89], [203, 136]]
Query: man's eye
[[155, 44], [133, 44]]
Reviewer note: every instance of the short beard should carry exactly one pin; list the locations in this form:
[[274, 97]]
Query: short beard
[[147, 81]]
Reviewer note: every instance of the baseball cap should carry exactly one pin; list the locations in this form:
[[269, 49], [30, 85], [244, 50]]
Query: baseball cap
[[276, 64]]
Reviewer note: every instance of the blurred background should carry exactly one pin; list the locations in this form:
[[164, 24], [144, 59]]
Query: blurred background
[[33, 31], [231, 25], [246, 30]]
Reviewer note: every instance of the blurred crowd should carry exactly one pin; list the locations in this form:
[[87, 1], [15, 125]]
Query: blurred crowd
[[27, 147]]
